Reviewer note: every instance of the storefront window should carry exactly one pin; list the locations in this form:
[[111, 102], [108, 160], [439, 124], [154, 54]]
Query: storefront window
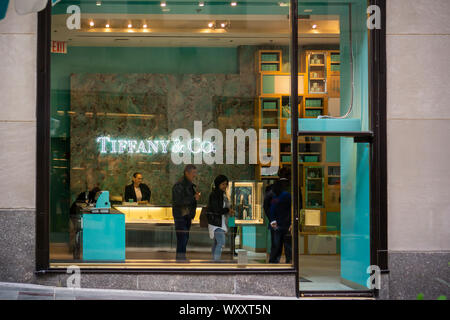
[[171, 137], [153, 106]]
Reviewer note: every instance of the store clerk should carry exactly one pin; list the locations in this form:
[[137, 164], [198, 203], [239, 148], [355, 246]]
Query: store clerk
[[137, 190]]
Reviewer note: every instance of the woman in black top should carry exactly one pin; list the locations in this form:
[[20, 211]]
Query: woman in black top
[[218, 208]]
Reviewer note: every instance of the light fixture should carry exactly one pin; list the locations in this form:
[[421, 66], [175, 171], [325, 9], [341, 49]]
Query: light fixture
[[130, 25], [144, 26], [314, 26], [283, 4], [234, 4], [223, 25], [107, 25], [201, 4], [91, 23], [210, 24], [163, 4], [99, 3]]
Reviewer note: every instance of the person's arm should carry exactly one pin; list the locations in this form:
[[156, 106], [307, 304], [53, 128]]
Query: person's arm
[[273, 213], [146, 193], [128, 194]]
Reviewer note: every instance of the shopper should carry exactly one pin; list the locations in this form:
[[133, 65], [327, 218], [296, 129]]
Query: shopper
[[217, 213], [184, 205], [137, 191], [280, 218]]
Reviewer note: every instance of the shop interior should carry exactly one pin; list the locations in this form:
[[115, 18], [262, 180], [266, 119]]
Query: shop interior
[[128, 74]]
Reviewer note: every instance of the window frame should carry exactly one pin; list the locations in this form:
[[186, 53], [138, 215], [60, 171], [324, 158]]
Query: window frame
[[377, 139]]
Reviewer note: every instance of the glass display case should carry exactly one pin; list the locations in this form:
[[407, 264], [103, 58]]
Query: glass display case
[[246, 198]]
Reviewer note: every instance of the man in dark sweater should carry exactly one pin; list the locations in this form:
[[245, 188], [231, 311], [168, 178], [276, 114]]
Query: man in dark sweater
[[279, 216], [184, 205]]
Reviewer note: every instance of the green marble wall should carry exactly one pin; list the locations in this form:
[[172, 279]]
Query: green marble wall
[[176, 100]]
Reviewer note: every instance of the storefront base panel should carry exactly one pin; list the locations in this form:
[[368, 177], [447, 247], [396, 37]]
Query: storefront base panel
[[17, 245], [414, 273]]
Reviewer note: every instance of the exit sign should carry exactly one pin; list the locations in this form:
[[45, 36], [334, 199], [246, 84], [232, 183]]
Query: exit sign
[[59, 47]]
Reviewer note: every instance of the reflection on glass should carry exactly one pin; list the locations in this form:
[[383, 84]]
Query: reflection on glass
[[135, 96]]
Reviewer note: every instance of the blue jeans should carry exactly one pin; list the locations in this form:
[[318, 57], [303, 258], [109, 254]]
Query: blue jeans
[[219, 243], [182, 227]]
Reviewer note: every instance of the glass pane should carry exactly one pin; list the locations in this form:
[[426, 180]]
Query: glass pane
[[140, 89], [334, 242], [333, 55], [334, 238]]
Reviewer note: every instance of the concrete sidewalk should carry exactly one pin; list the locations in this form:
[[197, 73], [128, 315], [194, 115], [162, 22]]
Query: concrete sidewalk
[[22, 291]]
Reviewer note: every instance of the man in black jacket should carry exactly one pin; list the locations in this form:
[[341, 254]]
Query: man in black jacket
[[137, 190], [184, 204]]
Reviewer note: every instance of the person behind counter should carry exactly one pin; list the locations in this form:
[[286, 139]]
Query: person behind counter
[[137, 190], [184, 204], [218, 210]]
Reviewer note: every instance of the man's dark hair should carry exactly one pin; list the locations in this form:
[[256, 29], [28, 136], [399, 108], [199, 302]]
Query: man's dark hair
[[135, 174], [189, 168], [284, 172]]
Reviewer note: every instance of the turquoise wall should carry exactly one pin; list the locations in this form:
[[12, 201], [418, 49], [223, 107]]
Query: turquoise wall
[[355, 166]]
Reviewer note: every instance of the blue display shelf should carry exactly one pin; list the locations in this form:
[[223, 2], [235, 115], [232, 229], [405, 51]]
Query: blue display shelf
[[326, 125]]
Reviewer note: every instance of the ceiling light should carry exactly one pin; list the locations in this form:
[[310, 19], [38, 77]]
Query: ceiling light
[[314, 26], [201, 4], [163, 4], [210, 24], [99, 3], [107, 25], [234, 4], [130, 25], [223, 25], [91, 23], [145, 26]]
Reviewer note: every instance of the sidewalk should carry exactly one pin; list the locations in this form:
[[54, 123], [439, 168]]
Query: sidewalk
[[22, 291]]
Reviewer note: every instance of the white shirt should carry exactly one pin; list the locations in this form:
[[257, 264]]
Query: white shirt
[[138, 193], [212, 228]]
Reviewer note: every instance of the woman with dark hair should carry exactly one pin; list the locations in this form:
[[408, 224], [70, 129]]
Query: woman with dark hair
[[218, 209]]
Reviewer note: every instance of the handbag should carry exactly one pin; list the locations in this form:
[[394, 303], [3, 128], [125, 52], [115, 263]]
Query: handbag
[[204, 218]]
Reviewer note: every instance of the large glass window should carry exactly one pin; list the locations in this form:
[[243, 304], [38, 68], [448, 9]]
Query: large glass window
[[156, 116], [171, 137]]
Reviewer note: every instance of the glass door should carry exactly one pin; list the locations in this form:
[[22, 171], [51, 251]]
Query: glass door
[[334, 148]]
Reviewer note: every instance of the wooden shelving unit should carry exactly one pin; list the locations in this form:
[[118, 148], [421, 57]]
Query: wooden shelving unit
[[273, 110]]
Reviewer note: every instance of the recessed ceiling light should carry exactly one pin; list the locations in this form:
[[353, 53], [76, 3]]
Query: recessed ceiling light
[[91, 23], [163, 4], [233, 4], [201, 4]]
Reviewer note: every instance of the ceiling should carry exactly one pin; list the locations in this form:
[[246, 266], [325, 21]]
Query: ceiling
[[193, 30]]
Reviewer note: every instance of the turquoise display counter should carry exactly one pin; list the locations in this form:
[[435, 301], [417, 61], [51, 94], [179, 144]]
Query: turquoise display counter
[[103, 237]]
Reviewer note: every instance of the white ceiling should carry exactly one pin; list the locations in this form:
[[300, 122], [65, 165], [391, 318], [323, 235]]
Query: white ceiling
[[193, 30]]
